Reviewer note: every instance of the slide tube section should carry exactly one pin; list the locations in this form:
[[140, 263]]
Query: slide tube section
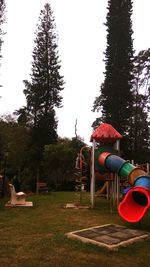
[[137, 200]]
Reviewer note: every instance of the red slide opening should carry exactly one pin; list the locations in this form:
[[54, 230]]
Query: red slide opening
[[135, 204]]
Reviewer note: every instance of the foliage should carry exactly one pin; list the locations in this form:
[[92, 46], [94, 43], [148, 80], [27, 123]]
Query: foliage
[[125, 93], [59, 163], [15, 144], [2, 20], [18, 156], [43, 92], [141, 85], [115, 101], [139, 130]]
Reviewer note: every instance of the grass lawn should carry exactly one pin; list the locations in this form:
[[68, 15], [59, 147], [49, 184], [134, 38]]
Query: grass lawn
[[35, 237]]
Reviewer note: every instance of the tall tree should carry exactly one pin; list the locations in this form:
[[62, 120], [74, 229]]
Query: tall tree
[[115, 100], [141, 82], [43, 91], [2, 20], [140, 120]]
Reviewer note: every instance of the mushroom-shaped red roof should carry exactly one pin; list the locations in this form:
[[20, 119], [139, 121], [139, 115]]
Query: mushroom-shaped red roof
[[105, 133]]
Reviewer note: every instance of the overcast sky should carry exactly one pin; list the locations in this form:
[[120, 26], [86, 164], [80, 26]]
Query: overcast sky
[[82, 42]]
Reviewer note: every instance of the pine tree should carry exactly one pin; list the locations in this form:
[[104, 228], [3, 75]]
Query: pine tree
[[139, 130], [43, 92], [115, 101], [2, 20]]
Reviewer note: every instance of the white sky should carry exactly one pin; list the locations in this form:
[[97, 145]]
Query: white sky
[[82, 42]]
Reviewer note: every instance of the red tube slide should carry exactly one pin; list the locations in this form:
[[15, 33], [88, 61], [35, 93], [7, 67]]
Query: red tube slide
[[137, 200], [135, 204]]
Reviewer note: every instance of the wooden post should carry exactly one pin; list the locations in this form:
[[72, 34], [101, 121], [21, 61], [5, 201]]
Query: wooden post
[[118, 189], [117, 178], [148, 168], [107, 190], [92, 185], [37, 180]]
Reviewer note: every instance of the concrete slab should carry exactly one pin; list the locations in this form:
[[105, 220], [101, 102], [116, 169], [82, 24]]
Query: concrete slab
[[110, 236], [26, 204], [76, 206]]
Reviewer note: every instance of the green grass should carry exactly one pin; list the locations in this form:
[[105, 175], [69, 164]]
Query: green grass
[[35, 237]]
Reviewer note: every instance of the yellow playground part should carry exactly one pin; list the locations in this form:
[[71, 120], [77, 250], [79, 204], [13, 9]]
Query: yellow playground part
[[103, 189]]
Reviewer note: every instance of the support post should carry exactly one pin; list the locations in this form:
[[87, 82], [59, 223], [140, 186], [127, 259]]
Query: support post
[[148, 168], [92, 185], [117, 145], [118, 189]]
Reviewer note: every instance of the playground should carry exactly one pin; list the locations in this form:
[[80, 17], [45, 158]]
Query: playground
[[84, 226], [36, 237]]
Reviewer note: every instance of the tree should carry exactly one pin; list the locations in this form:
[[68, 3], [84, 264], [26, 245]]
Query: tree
[[14, 141], [139, 130], [115, 100], [59, 162], [43, 91], [2, 20], [141, 82]]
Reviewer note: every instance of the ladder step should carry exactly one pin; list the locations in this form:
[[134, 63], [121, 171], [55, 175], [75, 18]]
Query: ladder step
[[78, 173]]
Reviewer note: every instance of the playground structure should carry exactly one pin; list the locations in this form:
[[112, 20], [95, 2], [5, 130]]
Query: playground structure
[[81, 172], [116, 173], [106, 159]]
